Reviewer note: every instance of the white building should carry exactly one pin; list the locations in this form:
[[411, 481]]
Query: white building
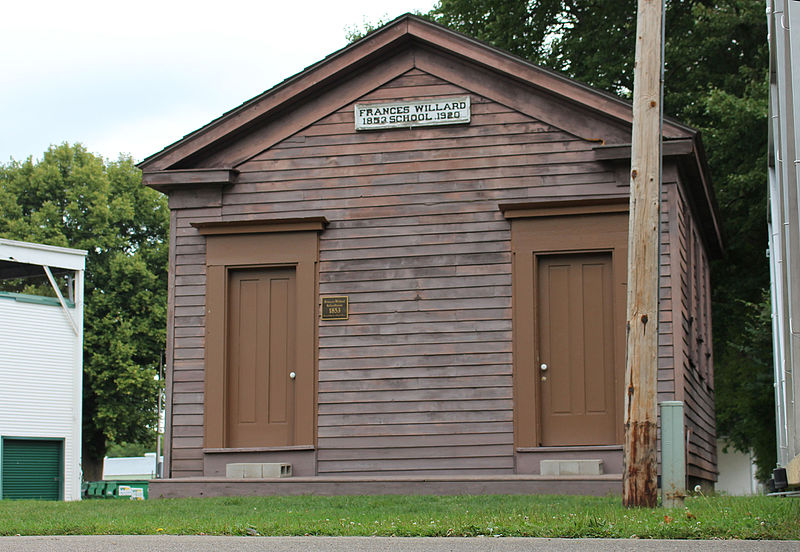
[[737, 472], [784, 224], [137, 468], [41, 366]]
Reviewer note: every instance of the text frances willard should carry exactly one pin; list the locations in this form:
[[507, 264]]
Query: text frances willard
[[438, 111]]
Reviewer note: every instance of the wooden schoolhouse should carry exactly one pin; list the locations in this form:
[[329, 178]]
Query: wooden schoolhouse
[[403, 270]]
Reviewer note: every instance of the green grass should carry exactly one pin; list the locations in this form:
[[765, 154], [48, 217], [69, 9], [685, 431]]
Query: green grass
[[498, 515]]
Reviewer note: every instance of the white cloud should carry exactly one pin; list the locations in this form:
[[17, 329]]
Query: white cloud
[[135, 76]]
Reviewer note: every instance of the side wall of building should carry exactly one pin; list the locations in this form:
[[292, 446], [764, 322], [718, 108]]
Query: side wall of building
[[693, 360], [40, 382]]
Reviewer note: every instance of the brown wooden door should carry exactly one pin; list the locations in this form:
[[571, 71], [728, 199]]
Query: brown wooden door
[[260, 394], [576, 343]]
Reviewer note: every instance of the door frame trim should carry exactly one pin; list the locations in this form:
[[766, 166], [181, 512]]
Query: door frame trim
[[561, 227], [265, 245]]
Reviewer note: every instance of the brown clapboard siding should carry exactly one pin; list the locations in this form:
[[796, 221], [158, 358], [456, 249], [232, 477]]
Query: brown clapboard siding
[[426, 442], [396, 161], [440, 337], [542, 163], [411, 229], [453, 327], [188, 371], [515, 177], [381, 384], [468, 146], [370, 204], [419, 378], [194, 467], [414, 406], [185, 454], [484, 112], [665, 384], [465, 451], [435, 293], [448, 316], [188, 375], [188, 331], [188, 409], [335, 243], [428, 394], [695, 323], [437, 428], [195, 279], [426, 417], [337, 129], [420, 466], [321, 134], [405, 284]]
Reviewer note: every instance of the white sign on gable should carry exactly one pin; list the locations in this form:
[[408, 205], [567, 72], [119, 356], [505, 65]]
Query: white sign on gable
[[437, 111]]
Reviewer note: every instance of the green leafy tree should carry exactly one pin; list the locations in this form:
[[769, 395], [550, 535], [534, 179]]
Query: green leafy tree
[[716, 62], [73, 198], [748, 387]]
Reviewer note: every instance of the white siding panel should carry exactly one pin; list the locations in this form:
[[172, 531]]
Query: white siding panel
[[39, 378]]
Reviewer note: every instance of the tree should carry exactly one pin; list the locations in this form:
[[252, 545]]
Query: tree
[[73, 198], [716, 62]]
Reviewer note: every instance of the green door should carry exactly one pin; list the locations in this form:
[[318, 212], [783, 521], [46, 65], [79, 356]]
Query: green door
[[32, 468]]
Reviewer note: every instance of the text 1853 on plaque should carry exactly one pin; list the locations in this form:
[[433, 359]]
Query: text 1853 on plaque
[[335, 308]]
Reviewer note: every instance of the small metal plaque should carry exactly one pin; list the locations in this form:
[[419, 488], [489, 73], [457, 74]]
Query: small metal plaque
[[437, 111], [335, 308]]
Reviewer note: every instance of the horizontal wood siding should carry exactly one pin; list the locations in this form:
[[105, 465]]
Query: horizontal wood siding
[[666, 349], [694, 317], [188, 368], [418, 380]]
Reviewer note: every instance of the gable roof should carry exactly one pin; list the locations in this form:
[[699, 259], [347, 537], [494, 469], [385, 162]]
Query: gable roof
[[211, 154], [388, 41]]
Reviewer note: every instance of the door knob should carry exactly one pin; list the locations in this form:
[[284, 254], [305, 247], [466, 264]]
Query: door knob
[[292, 375], [543, 367]]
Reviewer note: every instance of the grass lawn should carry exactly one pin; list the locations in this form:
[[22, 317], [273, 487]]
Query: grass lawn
[[498, 515]]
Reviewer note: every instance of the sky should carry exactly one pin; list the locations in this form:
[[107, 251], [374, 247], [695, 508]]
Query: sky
[[132, 77]]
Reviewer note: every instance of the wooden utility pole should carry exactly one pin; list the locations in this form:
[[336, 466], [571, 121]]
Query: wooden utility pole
[[639, 484]]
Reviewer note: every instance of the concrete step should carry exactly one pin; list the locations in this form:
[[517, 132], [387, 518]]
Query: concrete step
[[257, 470], [592, 466]]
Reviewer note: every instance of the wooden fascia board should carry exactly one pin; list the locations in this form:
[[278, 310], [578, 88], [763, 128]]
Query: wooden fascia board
[[623, 151], [261, 225], [287, 91], [167, 180]]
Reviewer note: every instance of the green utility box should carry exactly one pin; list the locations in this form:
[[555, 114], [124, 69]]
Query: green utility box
[[96, 489], [133, 490]]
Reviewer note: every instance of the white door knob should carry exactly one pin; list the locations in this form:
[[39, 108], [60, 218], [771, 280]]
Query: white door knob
[[292, 375], [543, 367]]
